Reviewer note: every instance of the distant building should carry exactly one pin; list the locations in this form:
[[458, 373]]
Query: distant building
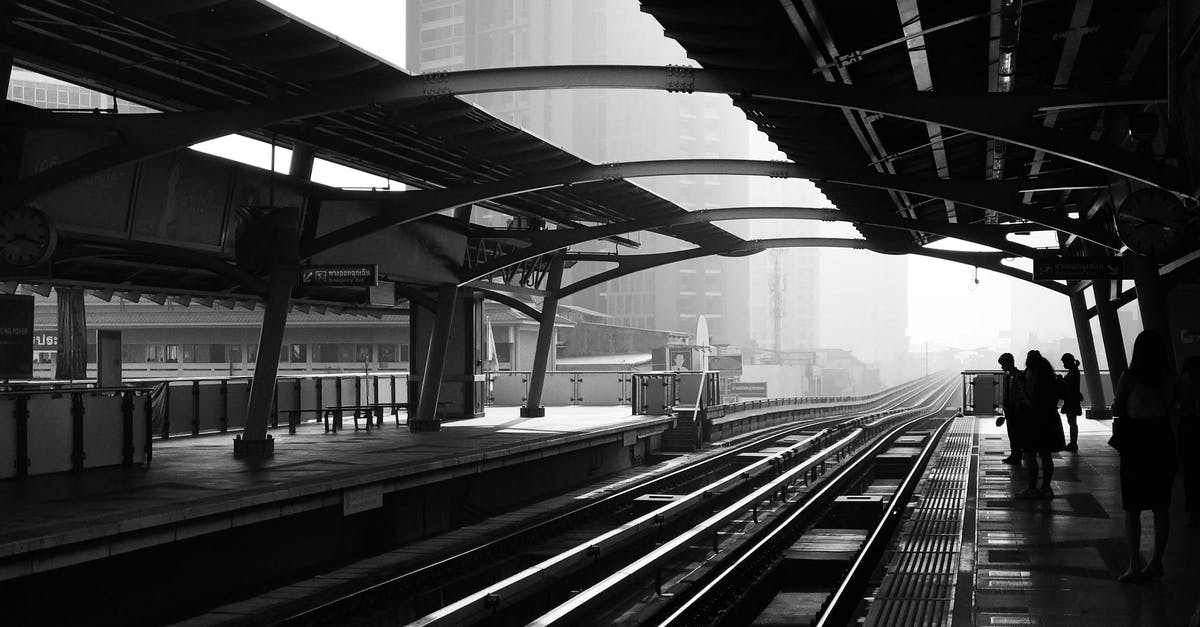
[[604, 127], [863, 306]]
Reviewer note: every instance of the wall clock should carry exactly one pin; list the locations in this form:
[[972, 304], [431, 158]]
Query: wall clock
[[27, 236], [1153, 222]]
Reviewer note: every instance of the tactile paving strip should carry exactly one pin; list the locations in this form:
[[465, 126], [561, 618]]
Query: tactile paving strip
[[918, 588]]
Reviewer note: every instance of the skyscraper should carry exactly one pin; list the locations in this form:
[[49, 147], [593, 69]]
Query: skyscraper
[[608, 126]]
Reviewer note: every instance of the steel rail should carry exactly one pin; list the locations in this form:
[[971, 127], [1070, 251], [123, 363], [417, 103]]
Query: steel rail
[[586, 600], [874, 403], [840, 603], [484, 602], [684, 613], [879, 400]]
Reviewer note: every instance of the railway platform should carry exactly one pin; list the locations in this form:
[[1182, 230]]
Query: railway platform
[[1009, 561], [352, 490]]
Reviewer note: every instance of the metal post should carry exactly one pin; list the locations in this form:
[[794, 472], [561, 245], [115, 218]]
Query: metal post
[[195, 407], [21, 418], [127, 428], [255, 441], [1152, 303], [435, 361], [1110, 331], [77, 453], [224, 405], [1087, 353], [541, 358]]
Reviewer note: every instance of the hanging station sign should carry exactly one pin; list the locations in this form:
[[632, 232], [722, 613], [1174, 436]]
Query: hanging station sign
[[340, 275]]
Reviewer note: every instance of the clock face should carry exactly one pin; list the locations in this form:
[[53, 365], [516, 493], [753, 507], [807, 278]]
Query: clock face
[[27, 237], [1153, 222]]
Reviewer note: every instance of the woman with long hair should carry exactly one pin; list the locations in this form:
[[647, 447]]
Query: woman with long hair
[[1143, 436], [1043, 433], [1072, 400]]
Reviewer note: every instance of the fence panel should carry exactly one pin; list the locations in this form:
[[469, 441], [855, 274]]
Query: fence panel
[[601, 388], [509, 388]]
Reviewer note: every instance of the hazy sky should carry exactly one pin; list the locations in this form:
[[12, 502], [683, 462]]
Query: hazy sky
[[945, 303]]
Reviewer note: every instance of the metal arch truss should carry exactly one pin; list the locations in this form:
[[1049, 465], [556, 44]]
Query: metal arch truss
[[545, 242], [629, 264], [1000, 196], [1008, 117]]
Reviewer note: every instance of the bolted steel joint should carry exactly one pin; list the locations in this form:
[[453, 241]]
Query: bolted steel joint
[[681, 78], [435, 85]]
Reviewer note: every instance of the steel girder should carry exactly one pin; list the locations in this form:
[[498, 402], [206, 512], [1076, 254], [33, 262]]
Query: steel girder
[[544, 242], [1001, 196], [1008, 117], [628, 264]]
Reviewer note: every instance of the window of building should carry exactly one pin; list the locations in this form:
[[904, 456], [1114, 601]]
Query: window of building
[[234, 353], [386, 353], [362, 353]]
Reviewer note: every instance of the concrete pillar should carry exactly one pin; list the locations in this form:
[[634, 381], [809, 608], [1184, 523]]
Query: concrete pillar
[[435, 362], [1152, 302], [1110, 330], [254, 441], [1087, 354], [541, 358], [71, 360]]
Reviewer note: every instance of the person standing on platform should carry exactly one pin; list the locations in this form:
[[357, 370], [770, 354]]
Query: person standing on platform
[[1142, 435], [1013, 389], [1041, 429], [1072, 399], [1187, 398]]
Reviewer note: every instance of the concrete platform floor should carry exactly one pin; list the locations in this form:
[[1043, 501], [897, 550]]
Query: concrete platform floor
[[194, 477], [1055, 562]]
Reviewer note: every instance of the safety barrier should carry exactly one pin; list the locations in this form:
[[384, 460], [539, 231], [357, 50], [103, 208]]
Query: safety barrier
[[195, 406], [74, 428], [981, 390], [509, 388]]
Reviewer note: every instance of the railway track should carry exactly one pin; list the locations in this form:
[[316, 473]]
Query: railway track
[[523, 575]]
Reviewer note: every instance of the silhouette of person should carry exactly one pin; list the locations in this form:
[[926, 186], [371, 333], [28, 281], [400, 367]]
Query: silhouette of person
[[1143, 435], [1042, 432], [1187, 399], [1072, 399], [1013, 391]]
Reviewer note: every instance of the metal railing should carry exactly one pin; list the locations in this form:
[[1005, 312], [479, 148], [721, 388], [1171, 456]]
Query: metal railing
[[74, 428]]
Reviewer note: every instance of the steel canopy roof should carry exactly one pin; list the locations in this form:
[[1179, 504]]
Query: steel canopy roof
[[948, 47], [206, 54]]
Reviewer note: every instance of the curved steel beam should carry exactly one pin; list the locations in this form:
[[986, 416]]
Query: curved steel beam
[[1000, 196], [546, 242], [1002, 116], [515, 303], [628, 264]]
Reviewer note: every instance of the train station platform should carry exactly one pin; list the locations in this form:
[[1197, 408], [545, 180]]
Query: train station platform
[[1031, 562], [195, 487]]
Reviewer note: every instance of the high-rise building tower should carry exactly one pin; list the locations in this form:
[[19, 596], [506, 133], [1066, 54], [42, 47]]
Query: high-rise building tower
[[608, 126]]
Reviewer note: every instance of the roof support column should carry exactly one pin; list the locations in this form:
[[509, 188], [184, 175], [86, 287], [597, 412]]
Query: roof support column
[[541, 359], [1152, 303], [435, 362], [1087, 356], [1110, 330], [285, 270]]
